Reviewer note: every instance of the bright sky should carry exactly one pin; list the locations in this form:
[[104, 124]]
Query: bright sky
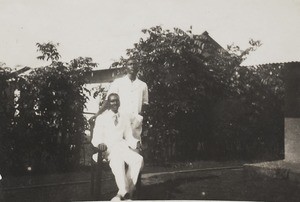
[[103, 30]]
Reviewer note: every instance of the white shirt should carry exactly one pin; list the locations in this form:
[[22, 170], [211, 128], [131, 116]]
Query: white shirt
[[105, 131], [133, 94]]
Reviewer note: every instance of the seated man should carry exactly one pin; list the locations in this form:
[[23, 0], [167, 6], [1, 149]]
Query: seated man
[[113, 132]]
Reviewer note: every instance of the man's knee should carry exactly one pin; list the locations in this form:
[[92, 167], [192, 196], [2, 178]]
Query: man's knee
[[116, 163]]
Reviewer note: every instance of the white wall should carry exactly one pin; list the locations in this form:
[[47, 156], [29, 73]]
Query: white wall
[[292, 139]]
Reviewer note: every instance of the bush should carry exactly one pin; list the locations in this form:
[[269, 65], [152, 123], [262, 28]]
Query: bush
[[48, 126], [203, 105]]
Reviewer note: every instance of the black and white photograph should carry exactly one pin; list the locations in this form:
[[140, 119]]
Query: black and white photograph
[[149, 100]]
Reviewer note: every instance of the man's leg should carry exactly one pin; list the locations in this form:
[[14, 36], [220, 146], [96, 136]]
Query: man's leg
[[117, 165], [135, 164]]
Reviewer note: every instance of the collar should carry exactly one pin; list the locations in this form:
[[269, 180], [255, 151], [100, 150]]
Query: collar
[[127, 77], [113, 114]]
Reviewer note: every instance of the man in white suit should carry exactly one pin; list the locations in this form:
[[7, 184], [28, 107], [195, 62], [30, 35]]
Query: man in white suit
[[113, 132]]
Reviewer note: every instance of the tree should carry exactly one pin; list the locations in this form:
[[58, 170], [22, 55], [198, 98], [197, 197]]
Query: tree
[[189, 77], [6, 111], [48, 50], [49, 126]]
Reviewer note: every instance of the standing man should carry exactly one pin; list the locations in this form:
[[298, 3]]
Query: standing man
[[113, 132], [133, 97]]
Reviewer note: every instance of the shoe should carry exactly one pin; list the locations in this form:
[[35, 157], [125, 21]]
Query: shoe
[[127, 197], [132, 192], [117, 198]]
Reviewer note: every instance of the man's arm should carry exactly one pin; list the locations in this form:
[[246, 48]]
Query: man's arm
[[128, 136], [98, 137], [103, 107]]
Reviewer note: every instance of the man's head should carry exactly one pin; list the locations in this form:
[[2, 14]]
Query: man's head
[[113, 102], [131, 69]]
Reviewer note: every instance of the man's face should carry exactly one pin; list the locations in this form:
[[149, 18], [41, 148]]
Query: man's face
[[114, 103], [131, 70]]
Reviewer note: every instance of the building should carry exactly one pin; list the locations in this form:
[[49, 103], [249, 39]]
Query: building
[[291, 61]]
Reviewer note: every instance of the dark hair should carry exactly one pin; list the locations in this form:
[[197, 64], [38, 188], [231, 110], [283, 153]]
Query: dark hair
[[113, 94]]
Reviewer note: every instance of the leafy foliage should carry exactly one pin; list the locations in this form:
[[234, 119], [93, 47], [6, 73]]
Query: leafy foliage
[[48, 50], [49, 124], [202, 103], [6, 110]]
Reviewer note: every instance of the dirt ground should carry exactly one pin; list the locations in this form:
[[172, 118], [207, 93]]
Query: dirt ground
[[189, 181]]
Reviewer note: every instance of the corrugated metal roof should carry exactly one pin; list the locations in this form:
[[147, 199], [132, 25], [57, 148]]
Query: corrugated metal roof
[[271, 55]]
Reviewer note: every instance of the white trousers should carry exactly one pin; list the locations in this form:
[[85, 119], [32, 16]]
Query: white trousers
[[125, 180]]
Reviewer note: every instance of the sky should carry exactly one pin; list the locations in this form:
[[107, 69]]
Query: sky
[[104, 30]]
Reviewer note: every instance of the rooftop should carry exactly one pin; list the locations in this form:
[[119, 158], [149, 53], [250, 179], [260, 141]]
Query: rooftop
[[270, 54]]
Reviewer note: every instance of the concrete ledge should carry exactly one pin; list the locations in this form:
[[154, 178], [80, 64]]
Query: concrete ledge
[[274, 169]]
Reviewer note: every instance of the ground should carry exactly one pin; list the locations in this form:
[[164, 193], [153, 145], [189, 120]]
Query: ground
[[197, 181]]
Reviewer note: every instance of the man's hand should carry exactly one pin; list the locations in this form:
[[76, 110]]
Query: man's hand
[[102, 147], [138, 148]]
